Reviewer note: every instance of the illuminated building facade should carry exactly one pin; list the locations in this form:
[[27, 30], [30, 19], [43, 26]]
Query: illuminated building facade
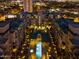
[[11, 37], [5, 40]]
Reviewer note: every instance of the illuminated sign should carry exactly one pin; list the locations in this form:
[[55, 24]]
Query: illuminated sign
[[39, 50], [11, 16]]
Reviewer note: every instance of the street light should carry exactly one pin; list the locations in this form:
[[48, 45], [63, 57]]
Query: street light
[[40, 4], [23, 57], [75, 12], [14, 50], [22, 51], [37, 3], [31, 51]]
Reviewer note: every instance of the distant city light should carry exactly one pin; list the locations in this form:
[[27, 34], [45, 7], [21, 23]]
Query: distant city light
[[51, 10], [75, 12], [2, 18], [58, 9], [31, 50]]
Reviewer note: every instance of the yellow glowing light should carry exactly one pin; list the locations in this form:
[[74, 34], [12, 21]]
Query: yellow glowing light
[[55, 51], [63, 47], [58, 9], [33, 56], [23, 48], [76, 19], [49, 50], [2, 18], [32, 43], [23, 57], [35, 27], [48, 27], [43, 28], [39, 27], [14, 50], [37, 3], [65, 16], [31, 26], [21, 7], [19, 58], [24, 44], [31, 50], [54, 48], [49, 55], [52, 10], [15, 11]]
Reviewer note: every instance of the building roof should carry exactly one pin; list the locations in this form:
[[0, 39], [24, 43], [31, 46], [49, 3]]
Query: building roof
[[3, 23], [15, 24], [75, 41], [4, 26]]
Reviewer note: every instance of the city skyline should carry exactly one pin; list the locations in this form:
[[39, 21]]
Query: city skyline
[[39, 30]]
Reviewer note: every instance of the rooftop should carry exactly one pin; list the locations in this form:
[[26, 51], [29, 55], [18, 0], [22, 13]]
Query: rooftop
[[15, 23], [75, 41], [3, 23]]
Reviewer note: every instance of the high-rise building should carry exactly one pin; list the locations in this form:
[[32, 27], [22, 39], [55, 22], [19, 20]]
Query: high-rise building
[[5, 38], [11, 36], [27, 5]]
